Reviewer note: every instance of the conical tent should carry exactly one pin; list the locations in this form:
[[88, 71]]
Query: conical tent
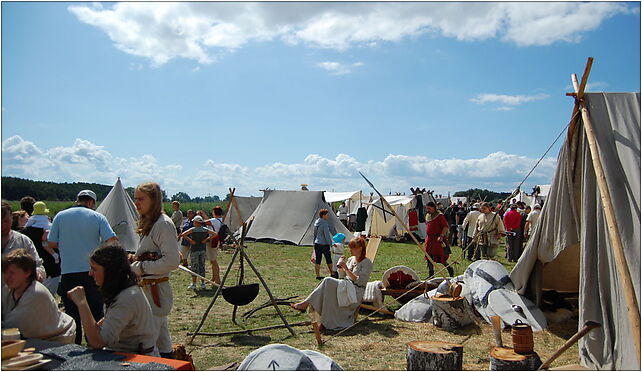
[[239, 209], [289, 216], [571, 248], [122, 215]]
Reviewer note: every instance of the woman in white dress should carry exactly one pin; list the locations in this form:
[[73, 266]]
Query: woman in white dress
[[324, 302], [156, 257]]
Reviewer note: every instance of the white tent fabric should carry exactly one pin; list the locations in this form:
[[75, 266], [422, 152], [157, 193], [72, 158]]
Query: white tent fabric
[[387, 226], [246, 206], [332, 197], [289, 216], [570, 248], [122, 216]]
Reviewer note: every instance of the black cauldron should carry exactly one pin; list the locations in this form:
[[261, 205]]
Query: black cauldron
[[240, 295]]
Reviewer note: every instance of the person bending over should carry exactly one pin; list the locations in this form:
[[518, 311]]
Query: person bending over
[[128, 324]]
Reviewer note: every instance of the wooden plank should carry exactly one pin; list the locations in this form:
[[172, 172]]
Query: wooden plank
[[373, 247]]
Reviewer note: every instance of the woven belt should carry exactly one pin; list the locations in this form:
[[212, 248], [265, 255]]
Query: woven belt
[[152, 281], [153, 287]]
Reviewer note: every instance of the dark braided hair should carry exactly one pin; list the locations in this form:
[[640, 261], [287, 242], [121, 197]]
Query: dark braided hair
[[118, 273]]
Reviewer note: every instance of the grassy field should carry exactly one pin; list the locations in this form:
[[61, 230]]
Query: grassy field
[[377, 343], [56, 206]]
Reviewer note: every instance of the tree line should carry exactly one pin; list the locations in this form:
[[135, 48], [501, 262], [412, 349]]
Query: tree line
[[487, 195], [14, 188]]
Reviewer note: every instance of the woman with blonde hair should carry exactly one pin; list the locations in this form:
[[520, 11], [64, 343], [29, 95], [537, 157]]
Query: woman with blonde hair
[[157, 256], [329, 301]]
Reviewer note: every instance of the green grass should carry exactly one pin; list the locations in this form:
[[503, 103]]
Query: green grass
[[56, 206], [375, 344]]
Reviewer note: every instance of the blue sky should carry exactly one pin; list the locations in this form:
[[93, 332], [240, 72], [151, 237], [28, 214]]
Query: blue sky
[[204, 96]]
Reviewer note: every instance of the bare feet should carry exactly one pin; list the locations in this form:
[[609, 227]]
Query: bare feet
[[301, 306]]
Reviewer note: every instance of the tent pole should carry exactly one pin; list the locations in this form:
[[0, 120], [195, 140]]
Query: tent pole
[[633, 309]]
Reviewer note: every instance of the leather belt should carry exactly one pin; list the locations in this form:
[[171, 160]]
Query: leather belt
[[153, 287]]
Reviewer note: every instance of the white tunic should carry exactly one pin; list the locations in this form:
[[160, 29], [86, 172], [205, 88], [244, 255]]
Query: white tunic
[[129, 322], [36, 314]]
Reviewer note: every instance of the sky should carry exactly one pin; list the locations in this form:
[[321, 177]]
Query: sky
[[200, 97]]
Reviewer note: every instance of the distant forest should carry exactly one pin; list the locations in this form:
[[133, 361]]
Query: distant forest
[[480, 194], [14, 188]]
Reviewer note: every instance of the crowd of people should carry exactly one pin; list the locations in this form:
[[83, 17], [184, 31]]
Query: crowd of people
[[121, 301]]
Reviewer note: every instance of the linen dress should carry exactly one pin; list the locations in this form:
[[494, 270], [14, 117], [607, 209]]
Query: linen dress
[[162, 240], [324, 305]]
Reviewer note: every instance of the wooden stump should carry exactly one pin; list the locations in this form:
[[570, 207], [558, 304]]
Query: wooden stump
[[505, 359], [450, 313], [434, 356]]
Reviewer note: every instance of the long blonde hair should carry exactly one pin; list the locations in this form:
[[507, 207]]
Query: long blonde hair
[[146, 222]]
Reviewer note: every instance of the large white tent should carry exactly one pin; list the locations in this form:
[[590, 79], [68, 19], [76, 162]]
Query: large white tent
[[122, 216], [289, 216], [571, 248]]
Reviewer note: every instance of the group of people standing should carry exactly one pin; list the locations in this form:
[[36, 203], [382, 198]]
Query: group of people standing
[[477, 230], [120, 300], [200, 238]]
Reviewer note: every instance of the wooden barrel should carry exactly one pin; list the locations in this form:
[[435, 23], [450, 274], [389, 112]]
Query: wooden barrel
[[522, 334]]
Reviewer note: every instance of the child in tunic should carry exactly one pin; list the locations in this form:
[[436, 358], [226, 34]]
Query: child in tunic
[[337, 252], [198, 236]]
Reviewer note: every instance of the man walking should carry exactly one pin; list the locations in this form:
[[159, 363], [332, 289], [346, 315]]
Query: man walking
[[76, 232], [489, 228]]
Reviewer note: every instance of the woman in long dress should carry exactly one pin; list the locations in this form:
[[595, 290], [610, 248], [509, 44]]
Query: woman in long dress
[[128, 324], [323, 301], [156, 257]]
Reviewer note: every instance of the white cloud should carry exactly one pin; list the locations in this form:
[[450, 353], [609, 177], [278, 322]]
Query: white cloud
[[201, 30], [85, 161], [337, 68], [509, 102]]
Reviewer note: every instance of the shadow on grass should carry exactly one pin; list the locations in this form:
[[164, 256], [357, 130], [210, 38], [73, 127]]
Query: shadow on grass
[[565, 329], [367, 327]]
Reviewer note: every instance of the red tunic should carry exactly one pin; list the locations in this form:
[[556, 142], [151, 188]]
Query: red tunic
[[433, 247]]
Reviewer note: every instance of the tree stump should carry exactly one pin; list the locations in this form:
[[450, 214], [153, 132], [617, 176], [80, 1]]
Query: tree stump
[[505, 359], [450, 313], [434, 356]]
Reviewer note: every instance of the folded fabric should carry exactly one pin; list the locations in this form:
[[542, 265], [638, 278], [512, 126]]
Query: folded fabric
[[373, 293], [346, 294]]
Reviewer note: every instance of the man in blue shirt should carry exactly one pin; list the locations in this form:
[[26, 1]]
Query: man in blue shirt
[[76, 232]]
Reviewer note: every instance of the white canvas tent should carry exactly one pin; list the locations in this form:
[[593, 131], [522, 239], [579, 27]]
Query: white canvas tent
[[377, 224], [239, 210], [571, 249], [122, 215], [289, 216]]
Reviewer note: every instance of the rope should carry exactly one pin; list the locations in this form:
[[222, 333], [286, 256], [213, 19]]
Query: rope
[[546, 152]]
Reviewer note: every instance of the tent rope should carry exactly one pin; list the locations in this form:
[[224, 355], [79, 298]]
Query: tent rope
[[545, 153]]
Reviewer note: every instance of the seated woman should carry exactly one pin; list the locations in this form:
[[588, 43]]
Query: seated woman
[[128, 324], [28, 305], [323, 300]]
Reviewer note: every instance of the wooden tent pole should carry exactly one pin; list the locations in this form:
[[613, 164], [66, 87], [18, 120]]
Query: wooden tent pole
[[228, 204], [238, 212], [633, 309]]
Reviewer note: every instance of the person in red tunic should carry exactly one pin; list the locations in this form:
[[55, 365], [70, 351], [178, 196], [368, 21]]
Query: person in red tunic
[[436, 232]]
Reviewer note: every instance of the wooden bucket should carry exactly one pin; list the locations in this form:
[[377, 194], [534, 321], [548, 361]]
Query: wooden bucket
[[522, 334]]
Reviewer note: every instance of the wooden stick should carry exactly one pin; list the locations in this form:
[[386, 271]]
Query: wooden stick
[[218, 291], [633, 309], [196, 275], [374, 308], [231, 190], [307, 323], [272, 299], [587, 327]]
